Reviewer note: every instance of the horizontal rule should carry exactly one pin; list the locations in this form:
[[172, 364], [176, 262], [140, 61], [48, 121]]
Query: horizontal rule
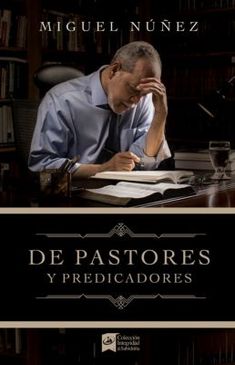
[[92, 267]]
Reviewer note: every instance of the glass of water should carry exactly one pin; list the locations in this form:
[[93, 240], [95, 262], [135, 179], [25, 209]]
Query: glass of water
[[219, 155]]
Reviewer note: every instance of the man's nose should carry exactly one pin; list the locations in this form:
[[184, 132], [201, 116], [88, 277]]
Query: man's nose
[[135, 99]]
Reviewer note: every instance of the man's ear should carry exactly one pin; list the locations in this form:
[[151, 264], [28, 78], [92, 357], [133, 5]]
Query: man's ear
[[114, 68]]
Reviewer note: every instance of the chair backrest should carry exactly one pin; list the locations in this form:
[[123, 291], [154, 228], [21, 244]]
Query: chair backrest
[[24, 117], [50, 75]]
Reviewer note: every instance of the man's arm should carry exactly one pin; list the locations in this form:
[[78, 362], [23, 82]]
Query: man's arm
[[149, 141], [155, 135], [150, 145], [122, 161], [49, 149]]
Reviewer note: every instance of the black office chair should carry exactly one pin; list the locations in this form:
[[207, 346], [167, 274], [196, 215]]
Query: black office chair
[[24, 118], [25, 111], [49, 75]]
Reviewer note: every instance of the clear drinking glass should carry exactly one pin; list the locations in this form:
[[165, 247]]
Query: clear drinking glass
[[219, 155]]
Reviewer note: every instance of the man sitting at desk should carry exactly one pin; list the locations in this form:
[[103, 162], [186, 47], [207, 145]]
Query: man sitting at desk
[[113, 119]]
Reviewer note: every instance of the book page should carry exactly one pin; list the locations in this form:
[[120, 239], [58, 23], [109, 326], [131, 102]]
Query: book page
[[153, 188], [135, 190], [145, 176], [124, 190]]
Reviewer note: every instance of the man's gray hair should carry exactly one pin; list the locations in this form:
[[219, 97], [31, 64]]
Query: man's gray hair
[[130, 53]]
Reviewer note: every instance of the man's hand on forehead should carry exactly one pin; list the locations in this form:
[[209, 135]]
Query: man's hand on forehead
[[151, 85], [155, 86]]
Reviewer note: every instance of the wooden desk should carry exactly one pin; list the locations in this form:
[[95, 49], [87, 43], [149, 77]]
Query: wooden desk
[[216, 195]]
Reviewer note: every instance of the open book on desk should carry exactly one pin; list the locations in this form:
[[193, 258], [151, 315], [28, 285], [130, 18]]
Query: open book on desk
[[153, 176], [130, 194]]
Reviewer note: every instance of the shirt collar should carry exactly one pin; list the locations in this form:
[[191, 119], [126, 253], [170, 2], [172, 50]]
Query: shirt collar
[[98, 95]]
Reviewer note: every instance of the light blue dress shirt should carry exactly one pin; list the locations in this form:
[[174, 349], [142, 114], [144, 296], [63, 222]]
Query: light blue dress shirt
[[70, 123]]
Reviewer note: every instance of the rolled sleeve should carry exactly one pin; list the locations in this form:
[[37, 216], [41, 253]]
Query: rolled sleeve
[[152, 163], [145, 117]]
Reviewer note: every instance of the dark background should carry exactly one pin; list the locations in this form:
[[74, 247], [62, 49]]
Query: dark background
[[83, 346], [21, 283]]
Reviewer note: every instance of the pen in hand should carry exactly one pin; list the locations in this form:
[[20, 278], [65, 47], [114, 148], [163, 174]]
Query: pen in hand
[[138, 161]]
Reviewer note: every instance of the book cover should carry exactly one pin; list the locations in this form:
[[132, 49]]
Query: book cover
[[138, 285]]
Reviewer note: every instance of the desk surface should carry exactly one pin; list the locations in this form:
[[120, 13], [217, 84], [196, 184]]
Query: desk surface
[[217, 195], [220, 194]]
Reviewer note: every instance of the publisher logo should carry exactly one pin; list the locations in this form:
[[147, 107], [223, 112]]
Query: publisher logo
[[117, 342], [109, 342]]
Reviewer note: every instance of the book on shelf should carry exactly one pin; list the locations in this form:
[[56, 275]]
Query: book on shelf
[[153, 176], [6, 125], [130, 193], [13, 73], [13, 29]]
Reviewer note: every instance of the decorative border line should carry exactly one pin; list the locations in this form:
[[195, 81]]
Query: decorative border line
[[121, 302], [121, 230]]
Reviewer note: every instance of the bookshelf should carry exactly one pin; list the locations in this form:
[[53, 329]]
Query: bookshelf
[[20, 56], [85, 32], [12, 56], [13, 75]]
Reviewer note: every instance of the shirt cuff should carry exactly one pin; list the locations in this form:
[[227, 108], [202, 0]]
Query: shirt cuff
[[151, 163], [74, 168]]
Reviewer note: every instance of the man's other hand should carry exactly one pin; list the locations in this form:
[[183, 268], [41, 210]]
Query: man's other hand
[[121, 161]]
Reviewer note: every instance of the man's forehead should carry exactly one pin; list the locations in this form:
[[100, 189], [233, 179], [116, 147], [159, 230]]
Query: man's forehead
[[145, 68]]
